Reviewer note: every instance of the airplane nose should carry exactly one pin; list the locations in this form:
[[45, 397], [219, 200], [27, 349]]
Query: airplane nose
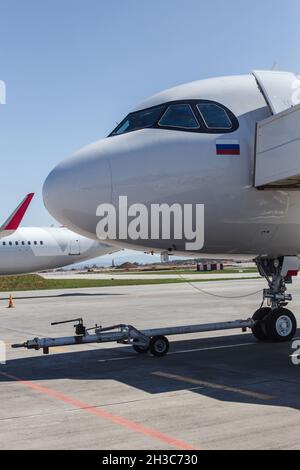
[[75, 188]]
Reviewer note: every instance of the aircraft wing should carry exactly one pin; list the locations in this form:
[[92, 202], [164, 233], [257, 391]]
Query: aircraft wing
[[14, 220]]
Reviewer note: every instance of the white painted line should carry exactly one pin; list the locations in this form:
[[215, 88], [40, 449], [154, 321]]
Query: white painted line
[[183, 351], [211, 348], [215, 386], [124, 358]]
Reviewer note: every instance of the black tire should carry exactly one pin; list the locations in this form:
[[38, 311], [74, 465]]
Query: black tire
[[140, 349], [281, 325], [159, 346], [259, 329]]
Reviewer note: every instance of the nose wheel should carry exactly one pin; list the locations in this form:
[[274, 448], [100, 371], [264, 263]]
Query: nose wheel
[[259, 328], [276, 323], [281, 325]]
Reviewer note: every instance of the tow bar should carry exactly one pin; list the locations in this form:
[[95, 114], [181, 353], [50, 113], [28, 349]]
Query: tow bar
[[153, 340]]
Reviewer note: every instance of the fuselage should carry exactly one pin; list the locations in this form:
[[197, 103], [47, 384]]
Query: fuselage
[[32, 249], [156, 165]]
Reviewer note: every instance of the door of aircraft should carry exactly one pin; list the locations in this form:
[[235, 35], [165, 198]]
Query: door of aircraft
[[280, 89], [74, 247]]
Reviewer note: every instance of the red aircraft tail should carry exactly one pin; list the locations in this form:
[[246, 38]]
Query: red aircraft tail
[[14, 220]]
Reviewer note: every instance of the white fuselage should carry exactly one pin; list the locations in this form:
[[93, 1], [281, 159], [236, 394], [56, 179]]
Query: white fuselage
[[32, 249], [155, 165]]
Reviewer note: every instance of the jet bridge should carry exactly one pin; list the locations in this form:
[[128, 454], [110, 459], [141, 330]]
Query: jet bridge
[[277, 154], [277, 146]]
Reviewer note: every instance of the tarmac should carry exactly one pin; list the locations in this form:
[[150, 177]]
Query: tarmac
[[168, 275], [217, 390]]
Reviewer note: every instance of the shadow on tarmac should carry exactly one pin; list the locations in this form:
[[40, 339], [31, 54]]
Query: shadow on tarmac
[[233, 368]]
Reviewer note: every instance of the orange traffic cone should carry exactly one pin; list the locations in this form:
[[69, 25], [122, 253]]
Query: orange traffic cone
[[11, 302]]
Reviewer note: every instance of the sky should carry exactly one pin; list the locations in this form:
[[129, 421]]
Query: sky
[[73, 68]]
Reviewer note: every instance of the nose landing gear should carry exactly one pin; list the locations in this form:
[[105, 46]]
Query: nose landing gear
[[276, 323]]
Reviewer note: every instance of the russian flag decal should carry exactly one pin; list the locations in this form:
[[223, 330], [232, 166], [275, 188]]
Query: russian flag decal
[[227, 147]]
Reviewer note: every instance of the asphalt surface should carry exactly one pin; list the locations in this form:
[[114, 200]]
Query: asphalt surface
[[217, 390]]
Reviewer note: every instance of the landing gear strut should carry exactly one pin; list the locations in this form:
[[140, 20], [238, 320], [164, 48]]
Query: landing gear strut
[[276, 323]]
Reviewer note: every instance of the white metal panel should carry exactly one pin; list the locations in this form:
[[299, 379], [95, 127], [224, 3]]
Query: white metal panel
[[277, 160], [281, 89]]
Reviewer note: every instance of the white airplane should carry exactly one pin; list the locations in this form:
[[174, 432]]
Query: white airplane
[[229, 143], [31, 249]]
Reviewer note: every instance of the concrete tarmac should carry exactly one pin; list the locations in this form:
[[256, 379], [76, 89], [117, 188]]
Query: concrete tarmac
[[169, 275], [218, 390]]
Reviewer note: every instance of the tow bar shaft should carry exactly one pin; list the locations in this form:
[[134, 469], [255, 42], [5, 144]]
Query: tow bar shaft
[[125, 334]]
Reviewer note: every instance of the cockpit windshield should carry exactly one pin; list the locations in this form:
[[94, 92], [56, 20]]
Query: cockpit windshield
[[139, 120], [198, 116]]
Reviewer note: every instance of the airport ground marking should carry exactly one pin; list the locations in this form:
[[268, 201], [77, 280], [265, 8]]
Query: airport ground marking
[[225, 388], [101, 413], [181, 351], [211, 348]]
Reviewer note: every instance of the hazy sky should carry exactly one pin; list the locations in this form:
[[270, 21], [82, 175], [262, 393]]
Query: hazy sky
[[74, 67]]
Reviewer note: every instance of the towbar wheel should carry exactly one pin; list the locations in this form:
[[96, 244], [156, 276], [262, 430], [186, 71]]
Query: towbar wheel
[[159, 346], [140, 349]]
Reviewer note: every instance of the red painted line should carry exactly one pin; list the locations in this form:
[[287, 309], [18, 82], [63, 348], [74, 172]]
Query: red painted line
[[113, 418]]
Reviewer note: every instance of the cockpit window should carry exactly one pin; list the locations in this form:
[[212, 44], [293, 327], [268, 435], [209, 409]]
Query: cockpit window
[[194, 115], [214, 116], [179, 115], [139, 120]]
